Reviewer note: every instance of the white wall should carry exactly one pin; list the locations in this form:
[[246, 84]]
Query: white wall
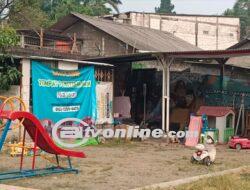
[[212, 32], [25, 88], [221, 125], [13, 91], [67, 66]]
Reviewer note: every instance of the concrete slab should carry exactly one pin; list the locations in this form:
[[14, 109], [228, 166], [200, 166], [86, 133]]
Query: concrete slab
[[191, 179], [9, 187]]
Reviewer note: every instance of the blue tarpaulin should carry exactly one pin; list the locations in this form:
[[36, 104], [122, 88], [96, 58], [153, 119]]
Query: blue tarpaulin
[[59, 94]]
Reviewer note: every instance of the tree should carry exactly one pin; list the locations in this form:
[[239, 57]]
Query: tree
[[8, 74], [34, 14], [114, 4], [59, 8], [4, 8], [241, 9], [28, 14], [165, 7]]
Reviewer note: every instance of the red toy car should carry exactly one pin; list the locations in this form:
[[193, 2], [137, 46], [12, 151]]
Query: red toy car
[[239, 143]]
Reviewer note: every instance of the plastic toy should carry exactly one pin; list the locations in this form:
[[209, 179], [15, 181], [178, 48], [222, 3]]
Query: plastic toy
[[42, 140], [12, 103], [221, 120], [16, 149], [239, 143], [205, 154]]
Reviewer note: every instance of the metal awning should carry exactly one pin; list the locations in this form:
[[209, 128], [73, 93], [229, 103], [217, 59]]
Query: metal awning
[[151, 56], [166, 59]]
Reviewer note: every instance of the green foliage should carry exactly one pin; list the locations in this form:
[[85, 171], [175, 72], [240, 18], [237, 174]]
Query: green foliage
[[43, 13], [8, 74], [166, 6], [241, 9], [8, 38], [28, 14], [63, 7]]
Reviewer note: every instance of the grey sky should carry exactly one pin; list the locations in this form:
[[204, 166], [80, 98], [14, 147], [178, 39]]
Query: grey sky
[[181, 6]]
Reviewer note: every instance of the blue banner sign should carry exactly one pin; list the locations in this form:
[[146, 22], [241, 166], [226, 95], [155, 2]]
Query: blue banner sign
[[59, 94]]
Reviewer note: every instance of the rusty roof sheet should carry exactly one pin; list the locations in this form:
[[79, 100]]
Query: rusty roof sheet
[[141, 38], [215, 111], [244, 61]]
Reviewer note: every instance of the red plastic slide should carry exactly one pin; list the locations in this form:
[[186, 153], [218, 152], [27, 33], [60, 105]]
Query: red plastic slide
[[44, 142]]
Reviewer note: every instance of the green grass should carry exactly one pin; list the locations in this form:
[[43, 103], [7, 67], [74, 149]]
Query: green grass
[[227, 182]]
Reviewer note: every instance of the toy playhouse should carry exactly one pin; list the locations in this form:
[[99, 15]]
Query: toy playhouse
[[220, 121]]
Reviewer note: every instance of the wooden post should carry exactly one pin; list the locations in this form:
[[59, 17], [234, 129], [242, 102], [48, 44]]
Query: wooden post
[[41, 38], [74, 46], [103, 46], [126, 48], [22, 41]]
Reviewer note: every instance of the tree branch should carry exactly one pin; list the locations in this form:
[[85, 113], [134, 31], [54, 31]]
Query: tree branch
[[5, 5]]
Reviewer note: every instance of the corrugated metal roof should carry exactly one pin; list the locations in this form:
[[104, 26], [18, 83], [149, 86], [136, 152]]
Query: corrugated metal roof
[[244, 61], [141, 38], [240, 44], [150, 56]]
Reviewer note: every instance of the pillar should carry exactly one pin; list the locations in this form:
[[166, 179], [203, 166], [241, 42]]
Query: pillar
[[25, 84]]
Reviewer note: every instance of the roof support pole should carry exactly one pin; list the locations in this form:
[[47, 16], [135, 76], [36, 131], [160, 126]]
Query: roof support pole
[[166, 63], [222, 63]]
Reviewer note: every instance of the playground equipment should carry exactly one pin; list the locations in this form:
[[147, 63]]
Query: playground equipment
[[17, 148], [10, 106], [13, 103], [41, 140]]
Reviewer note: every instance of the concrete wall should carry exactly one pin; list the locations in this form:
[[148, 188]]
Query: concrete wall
[[221, 125], [206, 32], [97, 42], [13, 91]]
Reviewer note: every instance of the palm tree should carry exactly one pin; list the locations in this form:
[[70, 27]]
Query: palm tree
[[113, 3]]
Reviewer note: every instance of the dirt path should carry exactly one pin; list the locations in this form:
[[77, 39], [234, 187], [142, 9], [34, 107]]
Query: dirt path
[[126, 166]]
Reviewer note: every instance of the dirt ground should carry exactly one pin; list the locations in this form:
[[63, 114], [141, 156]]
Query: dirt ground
[[117, 165]]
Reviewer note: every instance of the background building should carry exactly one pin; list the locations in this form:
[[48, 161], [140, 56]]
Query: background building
[[206, 32]]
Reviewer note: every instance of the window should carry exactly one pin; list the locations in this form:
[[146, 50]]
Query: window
[[229, 121], [205, 32]]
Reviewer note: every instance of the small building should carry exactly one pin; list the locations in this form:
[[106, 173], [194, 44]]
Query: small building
[[107, 38], [55, 50], [221, 118]]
